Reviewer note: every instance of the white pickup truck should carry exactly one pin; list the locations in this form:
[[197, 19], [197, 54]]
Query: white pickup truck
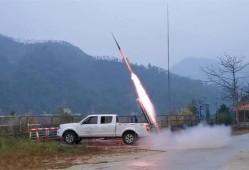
[[103, 126]]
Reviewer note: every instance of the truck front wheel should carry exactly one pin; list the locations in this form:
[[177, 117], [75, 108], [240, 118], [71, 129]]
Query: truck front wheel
[[70, 137], [129, 138]]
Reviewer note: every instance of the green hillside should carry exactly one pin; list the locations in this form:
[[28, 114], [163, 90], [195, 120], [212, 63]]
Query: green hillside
[[39, 77]]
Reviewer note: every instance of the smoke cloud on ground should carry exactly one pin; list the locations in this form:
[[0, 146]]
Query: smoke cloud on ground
[[201, 136]]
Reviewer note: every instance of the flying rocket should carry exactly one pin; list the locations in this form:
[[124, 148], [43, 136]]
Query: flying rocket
[[143, 99], [123, 55]]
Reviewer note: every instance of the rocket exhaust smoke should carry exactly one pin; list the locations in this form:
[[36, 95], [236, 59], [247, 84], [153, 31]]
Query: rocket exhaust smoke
[[201, 136], [143, 98]]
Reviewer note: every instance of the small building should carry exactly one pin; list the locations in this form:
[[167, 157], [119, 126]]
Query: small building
[[243, 114]]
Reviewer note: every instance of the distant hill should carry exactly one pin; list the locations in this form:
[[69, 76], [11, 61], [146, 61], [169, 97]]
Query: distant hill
[[39, 77], [191, 67]]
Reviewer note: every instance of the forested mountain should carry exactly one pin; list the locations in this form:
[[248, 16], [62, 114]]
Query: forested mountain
[[191, 67], [39, 77]]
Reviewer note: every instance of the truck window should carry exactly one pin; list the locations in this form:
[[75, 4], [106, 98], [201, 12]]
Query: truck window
[[106, 119], [91, 120]]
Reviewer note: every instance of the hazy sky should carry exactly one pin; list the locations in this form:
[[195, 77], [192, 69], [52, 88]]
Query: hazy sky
[[197, 28]]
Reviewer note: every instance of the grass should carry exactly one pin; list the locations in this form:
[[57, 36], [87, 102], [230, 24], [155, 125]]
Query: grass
[[21, 153]]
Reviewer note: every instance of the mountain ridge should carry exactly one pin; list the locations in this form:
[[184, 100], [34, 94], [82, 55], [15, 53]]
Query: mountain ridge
[[191, 67], [39, 77]]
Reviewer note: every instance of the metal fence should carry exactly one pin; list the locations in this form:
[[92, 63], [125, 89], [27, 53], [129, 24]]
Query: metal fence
[[21, 125]]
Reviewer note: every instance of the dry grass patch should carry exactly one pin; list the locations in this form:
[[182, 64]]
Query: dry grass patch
[[240, 131], [20, 153]]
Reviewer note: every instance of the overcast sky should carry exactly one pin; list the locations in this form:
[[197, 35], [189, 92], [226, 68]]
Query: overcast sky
[[198, 28]]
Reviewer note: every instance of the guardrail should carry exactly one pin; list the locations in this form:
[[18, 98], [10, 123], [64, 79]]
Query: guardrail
[[43, 134]]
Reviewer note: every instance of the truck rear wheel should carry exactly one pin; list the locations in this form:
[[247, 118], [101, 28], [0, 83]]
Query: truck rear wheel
[[129, 138], [70, 137]]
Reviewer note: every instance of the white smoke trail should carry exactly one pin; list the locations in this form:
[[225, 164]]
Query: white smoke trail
[[201, 136]]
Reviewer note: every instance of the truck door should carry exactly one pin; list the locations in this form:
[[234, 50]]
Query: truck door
[[88, 126], [106, 128]]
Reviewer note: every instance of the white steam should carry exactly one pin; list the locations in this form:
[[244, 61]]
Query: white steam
[[201, 136]]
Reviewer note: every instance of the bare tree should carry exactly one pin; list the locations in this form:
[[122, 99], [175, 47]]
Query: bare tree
[[226, 76], [245, 93], [247, 89]]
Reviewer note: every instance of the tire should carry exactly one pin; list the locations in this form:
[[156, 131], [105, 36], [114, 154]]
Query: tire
[[129, 138], [77, 141], [70, 137]]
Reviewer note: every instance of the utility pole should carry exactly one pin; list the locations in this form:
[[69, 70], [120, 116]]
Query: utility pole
[[169, 99]]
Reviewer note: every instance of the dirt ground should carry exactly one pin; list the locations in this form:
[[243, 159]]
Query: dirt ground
[[240, 131], [102, 154], [240, 162], [104, 161], [117, 152], [57, 155]]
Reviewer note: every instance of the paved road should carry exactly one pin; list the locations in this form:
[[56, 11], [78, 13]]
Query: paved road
[[190, 159]]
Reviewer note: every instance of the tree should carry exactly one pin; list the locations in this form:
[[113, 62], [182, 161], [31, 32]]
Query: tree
[[223, 108], [63, 111], [13, 113], [186, 112], [245, 94], [192, 107], [226, 76], [223, 115]]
